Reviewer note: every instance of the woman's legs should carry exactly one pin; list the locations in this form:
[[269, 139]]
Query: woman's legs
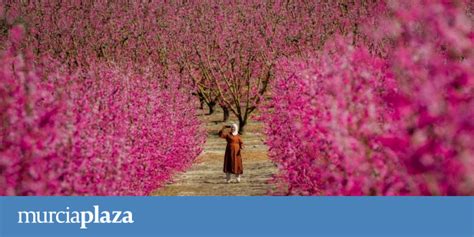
[[227, 177], [238, 178]]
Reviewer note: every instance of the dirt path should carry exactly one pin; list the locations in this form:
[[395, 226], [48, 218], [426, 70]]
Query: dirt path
[[205, 177]]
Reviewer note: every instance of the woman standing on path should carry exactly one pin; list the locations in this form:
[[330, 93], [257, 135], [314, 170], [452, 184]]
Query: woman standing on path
[[232, 157]]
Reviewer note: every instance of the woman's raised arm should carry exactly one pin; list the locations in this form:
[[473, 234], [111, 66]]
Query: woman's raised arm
[[223, 133]]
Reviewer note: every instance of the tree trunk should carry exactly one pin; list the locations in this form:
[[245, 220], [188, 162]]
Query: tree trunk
[[226, 113], [211, 106], [201, 103], [201, 99], [242, 123]]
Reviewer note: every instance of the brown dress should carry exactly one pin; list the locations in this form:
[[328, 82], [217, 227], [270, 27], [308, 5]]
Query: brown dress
[[232, 157]]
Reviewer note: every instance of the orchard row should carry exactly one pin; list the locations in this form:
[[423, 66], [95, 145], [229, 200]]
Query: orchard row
[[358, 97]]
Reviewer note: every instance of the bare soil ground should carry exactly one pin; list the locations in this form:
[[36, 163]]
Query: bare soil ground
[[205, 177]]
